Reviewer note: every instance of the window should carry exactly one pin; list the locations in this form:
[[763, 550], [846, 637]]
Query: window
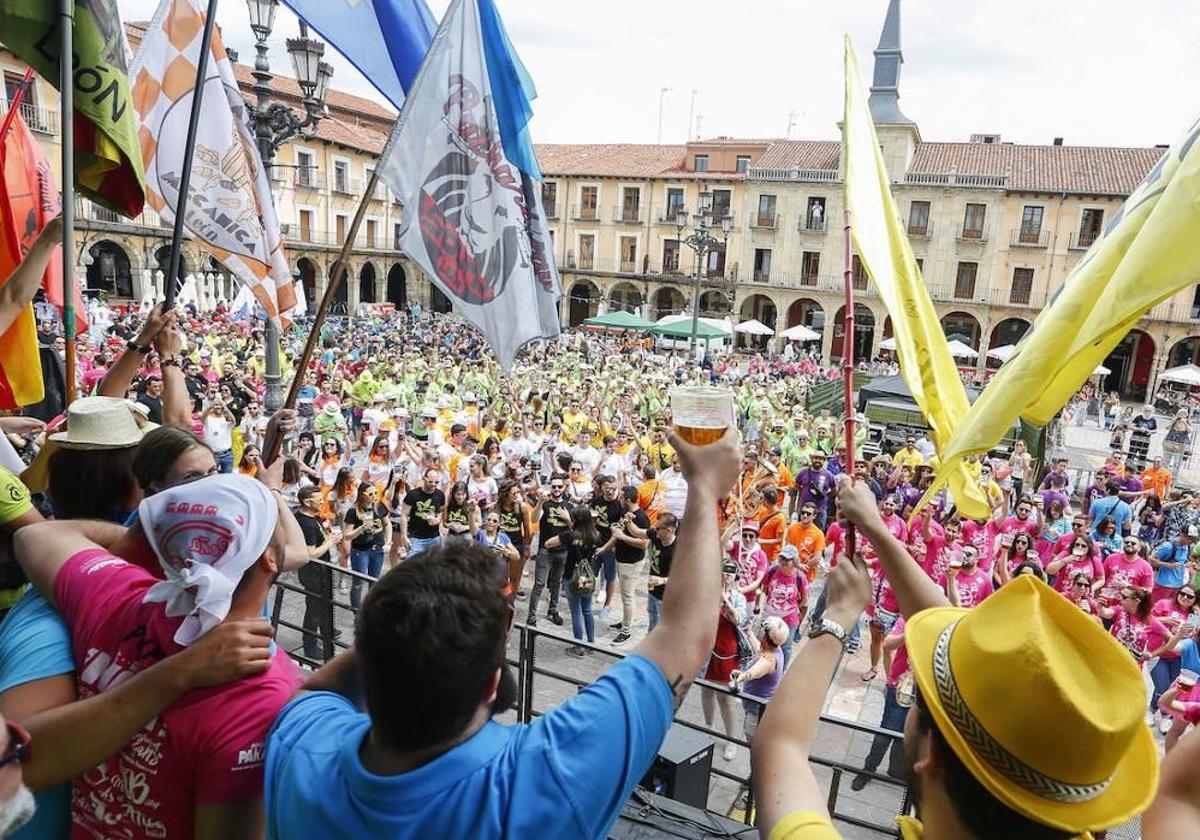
[[721, 203], [368, 171], [670, 255], [1195, 304], [372, 229], [1031, 224], [589, 197], [964, 283], [921, 266], [1090, 225], [550, 199], [766, 211], [587, 250], [674, 204], [1022, 286], [629, 254], [814, 217], [743, 163], [12, 83], [918, 218], [810, 268], [305, 170], [701, 163], [716, 262], [306, 223], [396, 228], [762, 265], [973, 221], [631, 198], [340, 228], [858, 273], [341, 176]]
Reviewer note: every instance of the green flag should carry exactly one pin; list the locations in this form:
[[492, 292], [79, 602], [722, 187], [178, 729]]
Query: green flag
[[108, 156]]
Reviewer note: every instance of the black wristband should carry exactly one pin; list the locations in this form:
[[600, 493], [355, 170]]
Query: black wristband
[[137, 348]]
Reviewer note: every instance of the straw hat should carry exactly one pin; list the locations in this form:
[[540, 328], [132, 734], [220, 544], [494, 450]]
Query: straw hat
[[92, 423], [1047, 715]]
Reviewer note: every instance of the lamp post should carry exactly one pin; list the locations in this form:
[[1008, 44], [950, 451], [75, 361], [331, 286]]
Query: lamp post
[[703, 243], [275, 123]]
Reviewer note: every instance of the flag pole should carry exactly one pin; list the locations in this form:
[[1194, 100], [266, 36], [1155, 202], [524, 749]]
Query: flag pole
[[14, 106], [848, 356], [67, 136], [336, 276], [185, 176]]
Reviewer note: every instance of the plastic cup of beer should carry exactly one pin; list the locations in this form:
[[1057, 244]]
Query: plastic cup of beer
[[701, 414]]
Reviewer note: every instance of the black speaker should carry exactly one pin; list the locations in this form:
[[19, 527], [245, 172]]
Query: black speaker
[[682, 767]]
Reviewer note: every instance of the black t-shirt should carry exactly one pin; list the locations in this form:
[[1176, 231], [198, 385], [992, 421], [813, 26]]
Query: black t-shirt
[[314, 534], [627, 553], [660, 563], [458, 516], [423, 505], [577, 549], [605, 513], [372, 536], [155, 406], [510, 523], [556, 518]]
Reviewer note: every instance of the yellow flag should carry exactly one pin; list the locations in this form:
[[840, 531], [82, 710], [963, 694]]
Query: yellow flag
[[1148, 252], [925, 360]]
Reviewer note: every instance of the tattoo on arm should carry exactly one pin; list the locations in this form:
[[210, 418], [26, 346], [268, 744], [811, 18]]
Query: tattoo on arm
[[679, 689]]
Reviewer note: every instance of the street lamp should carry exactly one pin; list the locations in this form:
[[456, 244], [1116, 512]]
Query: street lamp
[[703, 243], [275, 123]]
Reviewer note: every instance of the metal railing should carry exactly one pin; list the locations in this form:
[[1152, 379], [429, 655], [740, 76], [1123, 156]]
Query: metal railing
[[1029, 237], [1083, 239], [920, 231], [39, 119], [973, 234], [765, 221], [809, 224], [627, 215], [525, 645], [307, 178], [584, 214]]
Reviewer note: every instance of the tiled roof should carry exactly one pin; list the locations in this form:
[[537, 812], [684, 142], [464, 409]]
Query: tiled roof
[[1090, 170], [630, 160], [801, 154], [736, 141]]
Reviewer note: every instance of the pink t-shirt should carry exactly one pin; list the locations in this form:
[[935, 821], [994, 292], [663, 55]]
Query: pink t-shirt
[[1120, 572], [751, 563], [885, 596], [1138, 637], [206, 748], [1013, 525], [973, 587], [895, 524], [835, 537], [983, 537], [783, 595], [1169, 608], [900, 660], [1190, 700], [938, 554], [1085, 565]]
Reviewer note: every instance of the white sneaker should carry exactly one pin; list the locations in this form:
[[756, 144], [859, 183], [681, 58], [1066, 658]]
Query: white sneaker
[[730, 752], [1164, 724]]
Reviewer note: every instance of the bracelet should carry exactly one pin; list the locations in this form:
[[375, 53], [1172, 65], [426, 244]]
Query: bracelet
[[137, 348], [169, 361]]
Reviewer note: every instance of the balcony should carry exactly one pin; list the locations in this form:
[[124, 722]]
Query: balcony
[[1082, 240], [811, 224], [761, 276], [920, 229], [764, 221], [627, 214], [666, 215], [86, 211], [585, 213], [306, 178], [343, 185], [976, 235], [39, 119], [810, 279], [380, 191], [1029, 237], [551, 210]]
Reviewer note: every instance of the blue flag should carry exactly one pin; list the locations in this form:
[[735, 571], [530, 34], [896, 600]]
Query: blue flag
[[386, 40]]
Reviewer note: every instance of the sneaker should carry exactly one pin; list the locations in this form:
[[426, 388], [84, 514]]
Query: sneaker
[[555, 619], [1165, 724], [621, 639], [859, 782], [616, 626], [532, 622], [575, 650], [730, 752]]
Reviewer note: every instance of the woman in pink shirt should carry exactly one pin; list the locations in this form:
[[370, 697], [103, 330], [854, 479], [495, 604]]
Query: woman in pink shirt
[[1080, 559], [1177, 610], [1143, 635], [1080, 594]]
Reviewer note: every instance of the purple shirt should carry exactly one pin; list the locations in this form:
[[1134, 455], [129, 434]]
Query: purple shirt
[[816, 486]]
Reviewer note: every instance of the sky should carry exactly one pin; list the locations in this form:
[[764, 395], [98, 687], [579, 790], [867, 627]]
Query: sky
[[1095, 72]]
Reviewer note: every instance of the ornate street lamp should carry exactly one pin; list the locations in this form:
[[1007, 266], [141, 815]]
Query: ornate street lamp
[[703, 243]]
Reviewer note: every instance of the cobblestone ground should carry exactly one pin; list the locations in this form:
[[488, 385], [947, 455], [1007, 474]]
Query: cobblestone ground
[[849, 699]]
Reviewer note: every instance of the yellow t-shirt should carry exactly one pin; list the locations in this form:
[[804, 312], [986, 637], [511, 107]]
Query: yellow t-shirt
[[904, 458], [14, 497]]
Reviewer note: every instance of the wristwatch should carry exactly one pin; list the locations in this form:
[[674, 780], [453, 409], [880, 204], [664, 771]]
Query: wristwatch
[[832, 628], [137, 348]]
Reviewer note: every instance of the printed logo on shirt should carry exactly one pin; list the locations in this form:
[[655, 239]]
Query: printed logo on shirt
[[251, 757]]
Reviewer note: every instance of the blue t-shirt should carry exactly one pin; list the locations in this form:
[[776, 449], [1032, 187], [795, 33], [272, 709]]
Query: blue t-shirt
[[566, 774], [35, 644], [1189, 655], [1171, 552], [1110, 506]]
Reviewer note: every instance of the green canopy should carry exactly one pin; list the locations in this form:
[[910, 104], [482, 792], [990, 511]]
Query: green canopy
[[683, 329], [619, 320]]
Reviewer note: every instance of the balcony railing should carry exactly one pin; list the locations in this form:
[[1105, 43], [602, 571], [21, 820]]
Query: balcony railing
[[973, 234], [551, 210], [39, 119], [765, 221], [627, 215], [585, 213], [306, 178], [762, 276], [809, 279], [1029, 237], [665, 215], [344, 186], [811, 224], [922, 230], [86, 211], [1083, 239]]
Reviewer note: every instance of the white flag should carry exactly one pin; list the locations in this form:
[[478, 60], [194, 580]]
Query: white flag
[[473, 220], [230, 212]]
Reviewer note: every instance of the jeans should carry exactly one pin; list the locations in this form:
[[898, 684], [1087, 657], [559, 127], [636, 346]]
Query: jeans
[[818, 612], [581, 614], [893, 719], [608, 568], [653, 605], [318, 612], [224, 460], [792, 638], [549, 568], [627, 574], [368, 561], [418, 544], [1164, 672]]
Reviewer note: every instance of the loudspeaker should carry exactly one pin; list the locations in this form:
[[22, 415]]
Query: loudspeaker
[[681, 769]]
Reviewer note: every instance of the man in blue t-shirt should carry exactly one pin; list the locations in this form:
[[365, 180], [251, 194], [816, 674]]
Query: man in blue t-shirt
[[1110, 507], [1170, 563], [427, 760]]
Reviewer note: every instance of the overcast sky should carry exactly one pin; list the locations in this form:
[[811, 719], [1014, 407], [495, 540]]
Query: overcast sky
[[1096, 72]]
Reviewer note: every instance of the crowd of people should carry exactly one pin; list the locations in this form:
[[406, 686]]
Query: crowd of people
[[146, 698]]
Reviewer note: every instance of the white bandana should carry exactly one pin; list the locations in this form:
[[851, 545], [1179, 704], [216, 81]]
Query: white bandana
[[206, 534]]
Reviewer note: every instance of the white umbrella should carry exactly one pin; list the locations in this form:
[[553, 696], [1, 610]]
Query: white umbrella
[[800, 333], [1184, 374], [887, 344], [962, 351], [1003, 353], [1101, 370], [754, 327]]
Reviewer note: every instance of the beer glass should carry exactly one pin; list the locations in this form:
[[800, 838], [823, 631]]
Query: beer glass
[[701, 414]]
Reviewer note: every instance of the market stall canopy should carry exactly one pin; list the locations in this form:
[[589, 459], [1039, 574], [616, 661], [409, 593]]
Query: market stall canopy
[[800, 333], [619, 320], [888, 344], [959, 350], [1101, 370], [1003, 353], [1184, 374], [754, 327], [683, 329]]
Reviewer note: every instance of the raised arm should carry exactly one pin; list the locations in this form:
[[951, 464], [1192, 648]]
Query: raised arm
[[117, 381], [43, 548], [24, 281], [681, 641], [176, 401]]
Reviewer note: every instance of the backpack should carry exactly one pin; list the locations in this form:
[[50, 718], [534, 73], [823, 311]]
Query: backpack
[[583, 579]]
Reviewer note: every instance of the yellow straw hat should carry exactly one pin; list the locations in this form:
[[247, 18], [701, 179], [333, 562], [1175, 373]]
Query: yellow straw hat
[[1043, 707]]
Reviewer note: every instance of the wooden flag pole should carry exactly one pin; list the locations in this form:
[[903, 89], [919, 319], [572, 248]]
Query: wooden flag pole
[[185, 176], [848, 358], [66, 31]]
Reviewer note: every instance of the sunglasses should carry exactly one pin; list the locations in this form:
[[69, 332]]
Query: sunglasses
[[1080, 583], [19, 745], [808, 513], [1191, 596]]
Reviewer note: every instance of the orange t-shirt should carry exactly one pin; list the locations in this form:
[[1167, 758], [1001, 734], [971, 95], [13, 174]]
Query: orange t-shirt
[[810, 542], [651, 498], [771, 526], [1157, 481]]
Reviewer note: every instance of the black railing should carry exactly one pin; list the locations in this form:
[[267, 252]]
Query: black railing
[[524, 647]]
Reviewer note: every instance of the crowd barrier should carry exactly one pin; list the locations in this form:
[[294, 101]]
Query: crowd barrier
[[527, 654]]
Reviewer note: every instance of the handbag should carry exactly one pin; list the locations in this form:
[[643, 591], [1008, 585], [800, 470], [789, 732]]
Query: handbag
[[583, 579], [745, 651]]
